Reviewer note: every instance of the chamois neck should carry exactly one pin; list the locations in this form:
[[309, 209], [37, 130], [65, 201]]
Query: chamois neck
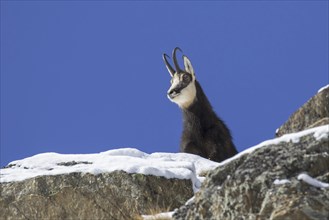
[[200, 109]]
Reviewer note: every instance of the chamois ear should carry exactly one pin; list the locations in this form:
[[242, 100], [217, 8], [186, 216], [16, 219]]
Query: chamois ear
[[188, 65]]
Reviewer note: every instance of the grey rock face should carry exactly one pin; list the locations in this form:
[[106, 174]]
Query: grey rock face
[[313, 113], [245, 189], [116, 195]]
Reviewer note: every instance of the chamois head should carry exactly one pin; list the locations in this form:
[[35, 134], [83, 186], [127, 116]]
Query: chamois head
[[182, 90]]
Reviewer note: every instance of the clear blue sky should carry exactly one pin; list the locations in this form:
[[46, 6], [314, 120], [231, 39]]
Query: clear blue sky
[[85, 77]]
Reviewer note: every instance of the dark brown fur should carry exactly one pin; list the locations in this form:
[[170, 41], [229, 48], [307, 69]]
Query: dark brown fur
[[204, 133]]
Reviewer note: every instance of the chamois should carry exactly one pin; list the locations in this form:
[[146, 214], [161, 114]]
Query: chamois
[[204, 133]]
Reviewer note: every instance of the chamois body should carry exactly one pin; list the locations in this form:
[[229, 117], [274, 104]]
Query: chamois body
[[204, 133]]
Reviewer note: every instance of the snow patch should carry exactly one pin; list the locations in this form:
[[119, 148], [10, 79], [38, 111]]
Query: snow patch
[[188, 202], [323, 88], [281, 182], [318, 132], [322, 134], [131, 152], [130, 160], [277, 130], [314, 182], [164, 215]]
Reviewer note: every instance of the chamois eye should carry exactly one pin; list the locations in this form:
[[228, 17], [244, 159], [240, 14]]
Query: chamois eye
[[186, 78]]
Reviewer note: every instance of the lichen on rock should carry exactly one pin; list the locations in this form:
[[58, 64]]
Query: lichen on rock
[[247, 186], [116, 195]]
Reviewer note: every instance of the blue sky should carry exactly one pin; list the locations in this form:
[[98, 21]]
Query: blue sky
[[85, 76]]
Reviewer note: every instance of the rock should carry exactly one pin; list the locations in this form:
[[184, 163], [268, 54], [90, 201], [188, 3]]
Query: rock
[[244, 187], [116, 195], [116, 184], [265, 182], [313, 113]]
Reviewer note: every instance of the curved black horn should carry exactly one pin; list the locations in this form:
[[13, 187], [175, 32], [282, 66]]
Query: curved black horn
[[169, 67], [175, 59]]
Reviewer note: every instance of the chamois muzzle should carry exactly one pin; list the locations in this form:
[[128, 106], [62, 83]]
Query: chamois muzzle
[[173, 93]]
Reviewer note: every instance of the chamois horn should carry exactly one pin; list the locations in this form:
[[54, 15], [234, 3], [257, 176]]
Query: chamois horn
[[175, 59], [169, 67]]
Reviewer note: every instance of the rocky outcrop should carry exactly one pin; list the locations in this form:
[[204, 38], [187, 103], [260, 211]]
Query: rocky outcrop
[[249, 186], [116, 184], [283, 178], [116, 195], [278, 179], [313, 113]]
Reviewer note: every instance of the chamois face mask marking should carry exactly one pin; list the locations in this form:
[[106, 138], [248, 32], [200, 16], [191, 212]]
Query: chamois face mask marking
[[182, 90]]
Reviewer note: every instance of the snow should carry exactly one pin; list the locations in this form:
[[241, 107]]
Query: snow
[[323, 88], [306, 178], [164, 215], [130, 160], [277, 130], [314, 182], [318, 133], [188, 202], [280, 182]]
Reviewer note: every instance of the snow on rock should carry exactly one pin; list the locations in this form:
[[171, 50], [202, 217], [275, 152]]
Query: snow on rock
[[318, 133], [130, 160], [281, 182], [322, 134], [314, 182], [164, 215], [323, 88]]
